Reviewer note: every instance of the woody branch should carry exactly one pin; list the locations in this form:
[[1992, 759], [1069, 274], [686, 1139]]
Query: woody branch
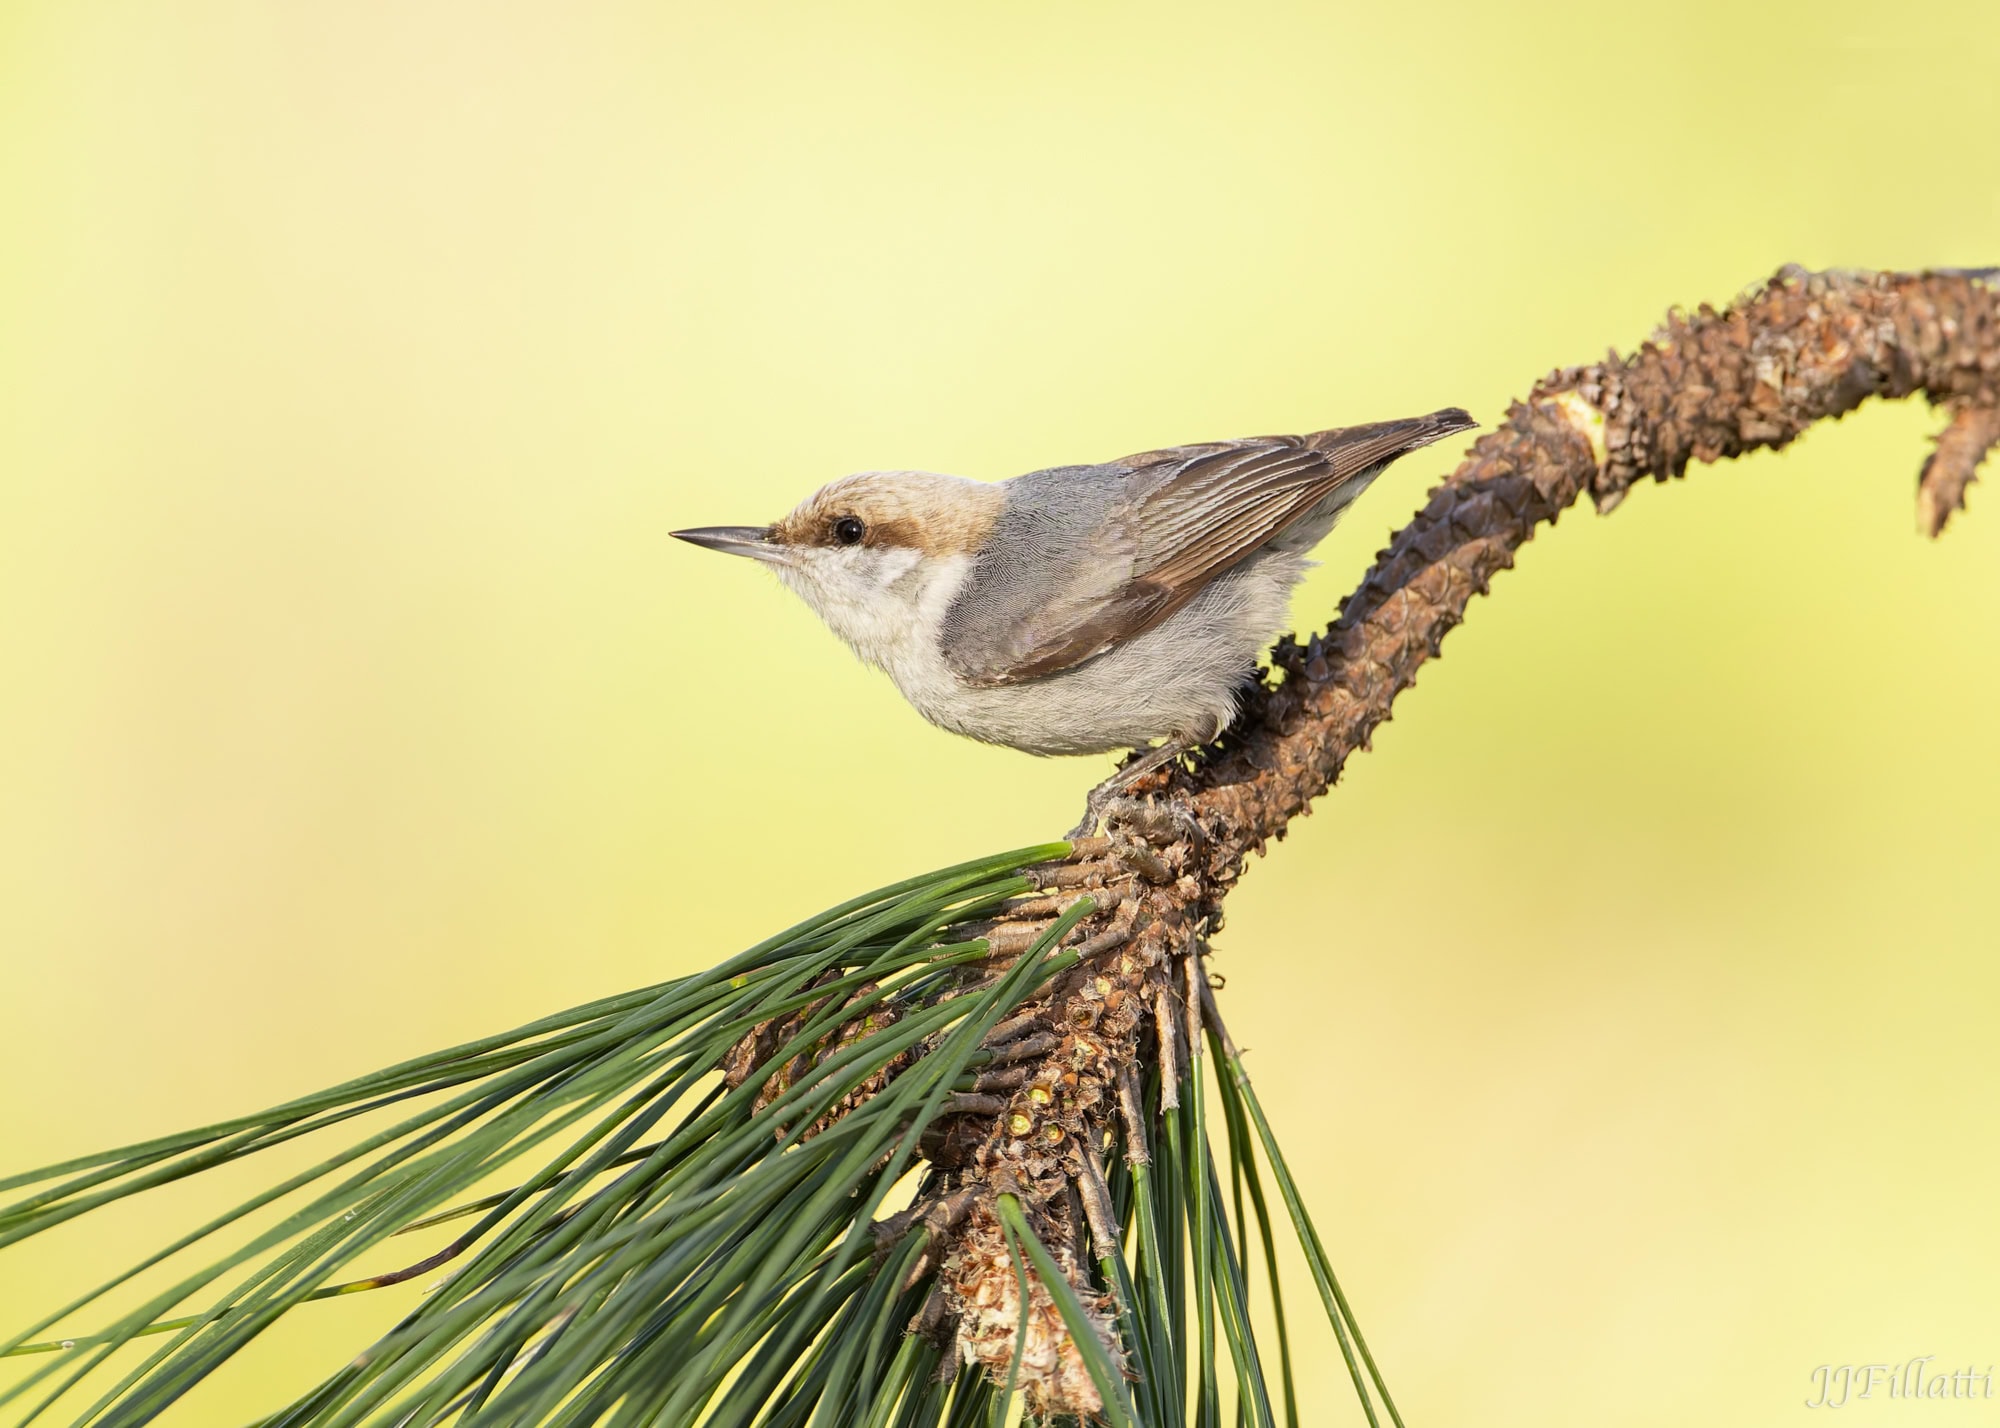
[[1804, 348]]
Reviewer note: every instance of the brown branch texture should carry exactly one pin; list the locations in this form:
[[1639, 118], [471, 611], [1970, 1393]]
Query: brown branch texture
[[1803, 348]]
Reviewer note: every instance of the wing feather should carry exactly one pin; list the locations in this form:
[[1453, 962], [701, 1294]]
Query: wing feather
[[1179, 517]]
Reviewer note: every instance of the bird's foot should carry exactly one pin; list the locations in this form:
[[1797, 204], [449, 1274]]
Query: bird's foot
[[1160, 822], [1093, 810], [1108, 801]]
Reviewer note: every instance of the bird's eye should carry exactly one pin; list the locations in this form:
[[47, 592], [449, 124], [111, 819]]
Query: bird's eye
[[848, 530]]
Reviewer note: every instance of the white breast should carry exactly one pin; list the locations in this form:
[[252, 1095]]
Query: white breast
[[1177, 680]]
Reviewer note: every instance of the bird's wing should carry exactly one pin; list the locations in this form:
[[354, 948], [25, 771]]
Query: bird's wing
[[1049, 593]]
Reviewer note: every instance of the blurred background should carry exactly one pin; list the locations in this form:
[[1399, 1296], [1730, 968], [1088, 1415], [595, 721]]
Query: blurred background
[[1629, 1010]]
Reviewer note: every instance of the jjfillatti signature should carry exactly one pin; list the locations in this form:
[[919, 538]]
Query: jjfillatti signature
[[1837, 1385]]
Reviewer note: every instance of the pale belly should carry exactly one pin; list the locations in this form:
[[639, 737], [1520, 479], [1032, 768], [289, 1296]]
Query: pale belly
[[1177, 680]]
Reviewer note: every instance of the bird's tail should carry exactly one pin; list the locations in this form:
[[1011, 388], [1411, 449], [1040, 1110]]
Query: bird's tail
[[1354, 449]]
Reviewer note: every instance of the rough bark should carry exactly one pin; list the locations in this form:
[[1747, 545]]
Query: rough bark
[[1804, 348]]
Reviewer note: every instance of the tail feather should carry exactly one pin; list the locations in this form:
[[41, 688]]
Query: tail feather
[[1375, 444]]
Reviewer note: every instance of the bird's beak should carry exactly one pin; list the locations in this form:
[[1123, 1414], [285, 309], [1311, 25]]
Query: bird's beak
[[753, 541]]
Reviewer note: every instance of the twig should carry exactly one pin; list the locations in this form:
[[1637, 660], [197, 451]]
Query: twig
[[1961, 446], [1712, 385]]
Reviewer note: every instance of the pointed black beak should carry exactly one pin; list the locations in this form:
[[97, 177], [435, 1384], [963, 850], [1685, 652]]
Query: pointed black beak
[[753, 541]]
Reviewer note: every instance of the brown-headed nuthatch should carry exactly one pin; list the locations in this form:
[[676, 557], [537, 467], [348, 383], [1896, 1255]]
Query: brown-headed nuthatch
[[1082, 608]]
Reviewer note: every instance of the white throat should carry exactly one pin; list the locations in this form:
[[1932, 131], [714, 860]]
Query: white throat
[[887, 604]]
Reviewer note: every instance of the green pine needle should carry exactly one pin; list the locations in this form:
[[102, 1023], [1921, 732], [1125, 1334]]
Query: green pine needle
[[673, 1250]]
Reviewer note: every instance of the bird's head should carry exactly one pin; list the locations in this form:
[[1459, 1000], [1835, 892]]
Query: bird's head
[[878, 555]]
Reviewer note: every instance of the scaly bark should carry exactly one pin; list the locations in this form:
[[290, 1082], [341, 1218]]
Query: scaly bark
[[1804, 348]]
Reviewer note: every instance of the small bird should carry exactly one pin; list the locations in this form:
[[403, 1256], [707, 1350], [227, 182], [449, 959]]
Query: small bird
[[1082, 608]]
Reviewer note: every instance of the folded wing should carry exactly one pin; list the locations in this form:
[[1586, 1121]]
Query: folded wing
[[1087, 557]]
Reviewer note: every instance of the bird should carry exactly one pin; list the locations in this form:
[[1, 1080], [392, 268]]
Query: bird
[[1078, 609]]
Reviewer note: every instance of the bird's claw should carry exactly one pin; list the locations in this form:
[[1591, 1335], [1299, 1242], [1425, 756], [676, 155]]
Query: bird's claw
[[1160, 822], [1094, 806], [1109, 794]]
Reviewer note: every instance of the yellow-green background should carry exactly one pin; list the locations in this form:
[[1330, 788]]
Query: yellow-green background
[[1630, 1010]]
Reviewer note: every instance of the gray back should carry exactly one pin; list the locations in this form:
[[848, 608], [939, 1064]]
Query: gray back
[[1063, 540], [1085, 556]]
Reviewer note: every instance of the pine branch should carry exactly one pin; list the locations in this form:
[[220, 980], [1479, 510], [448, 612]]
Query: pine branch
[[1714, 385]]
